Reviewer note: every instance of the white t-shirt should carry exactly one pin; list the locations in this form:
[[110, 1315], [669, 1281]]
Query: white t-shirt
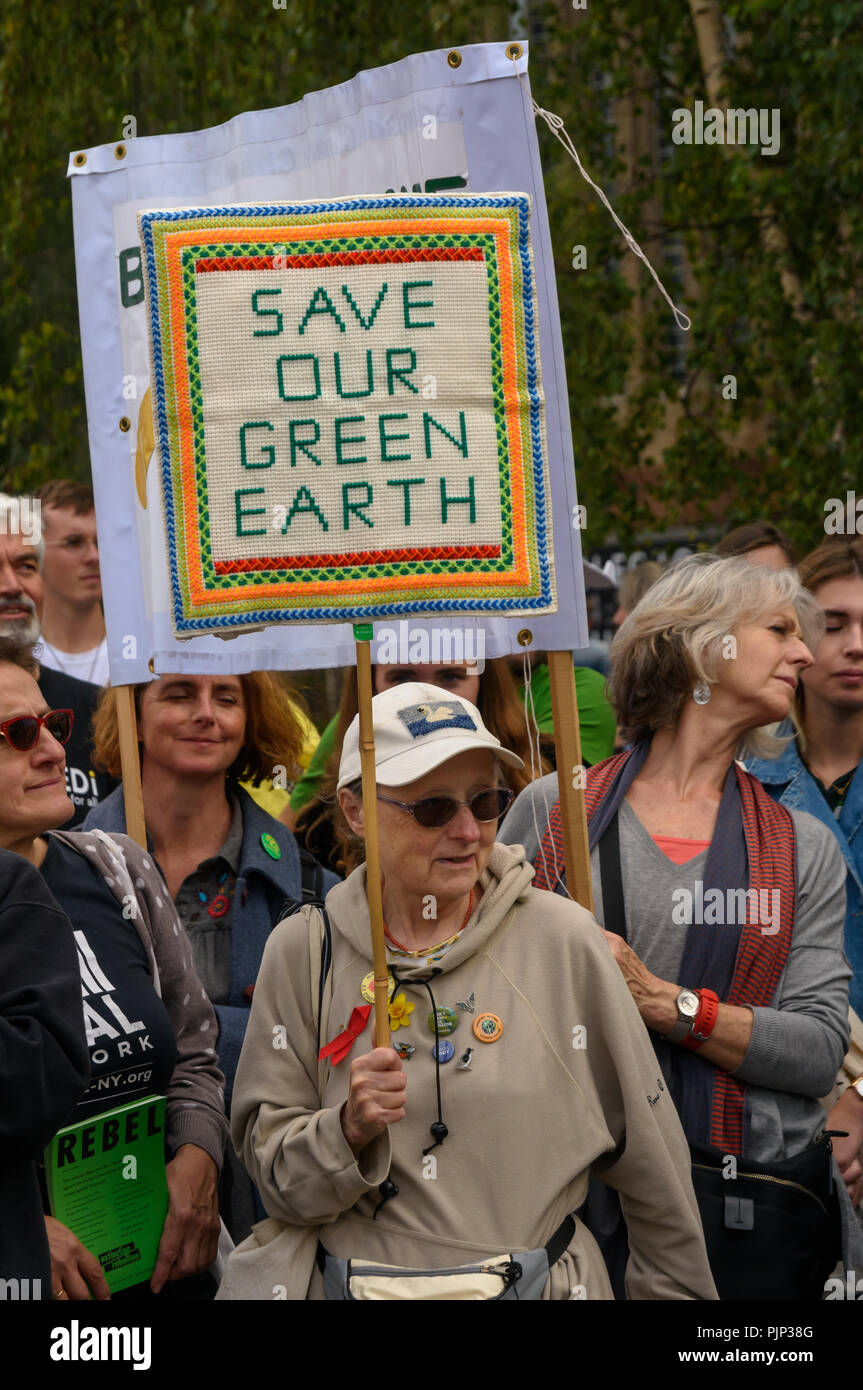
[[89, 666]]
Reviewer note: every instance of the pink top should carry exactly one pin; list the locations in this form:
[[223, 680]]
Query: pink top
[[679, 851]]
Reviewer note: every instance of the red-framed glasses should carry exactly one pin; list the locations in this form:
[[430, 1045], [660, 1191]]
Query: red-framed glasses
[[23, 731]]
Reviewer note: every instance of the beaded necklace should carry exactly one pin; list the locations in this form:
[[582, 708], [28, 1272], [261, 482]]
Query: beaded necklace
[[436, 951]]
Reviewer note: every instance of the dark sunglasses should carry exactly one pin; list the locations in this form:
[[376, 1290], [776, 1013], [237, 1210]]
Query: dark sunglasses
[[23, 731], [432, 812]]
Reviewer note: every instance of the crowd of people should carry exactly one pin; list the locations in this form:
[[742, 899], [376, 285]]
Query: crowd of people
[[658, 1098]]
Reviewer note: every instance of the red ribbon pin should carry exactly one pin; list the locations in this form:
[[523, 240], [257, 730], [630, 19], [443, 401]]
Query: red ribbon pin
[[338, 1049]]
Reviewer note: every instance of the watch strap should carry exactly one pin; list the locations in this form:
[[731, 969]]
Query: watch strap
[[678, 1031], [704, 1021]]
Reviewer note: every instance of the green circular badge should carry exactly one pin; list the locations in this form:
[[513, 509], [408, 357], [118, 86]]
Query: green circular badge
[[447, 1022], [271, 845]]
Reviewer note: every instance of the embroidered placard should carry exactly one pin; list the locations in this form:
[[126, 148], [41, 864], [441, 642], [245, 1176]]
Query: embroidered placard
[[349, 409]]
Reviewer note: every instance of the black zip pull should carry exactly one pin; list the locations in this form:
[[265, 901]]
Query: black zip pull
[[511, 1273]]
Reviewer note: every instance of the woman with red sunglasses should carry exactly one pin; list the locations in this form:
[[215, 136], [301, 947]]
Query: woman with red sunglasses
[[150, 1028], [518, 1061]]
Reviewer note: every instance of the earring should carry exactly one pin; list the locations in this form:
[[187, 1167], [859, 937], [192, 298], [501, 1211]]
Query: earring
[[701, 693]]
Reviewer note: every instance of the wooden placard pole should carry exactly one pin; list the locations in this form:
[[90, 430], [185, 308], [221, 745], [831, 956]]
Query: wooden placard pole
[[370, 821], [130, 765], [570, 776]]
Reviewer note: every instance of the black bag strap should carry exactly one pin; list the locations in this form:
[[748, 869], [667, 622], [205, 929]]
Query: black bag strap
[[560, 1240], [289, 907], [326, 962], [311, 877], [613, 906]]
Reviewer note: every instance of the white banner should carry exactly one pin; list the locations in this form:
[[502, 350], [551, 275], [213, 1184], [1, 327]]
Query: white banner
[[420, 124]]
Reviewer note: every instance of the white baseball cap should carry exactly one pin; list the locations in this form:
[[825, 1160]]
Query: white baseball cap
[[416, 728]]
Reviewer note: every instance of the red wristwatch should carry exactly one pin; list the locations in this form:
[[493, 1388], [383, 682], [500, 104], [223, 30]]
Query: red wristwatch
[[704, 1021]]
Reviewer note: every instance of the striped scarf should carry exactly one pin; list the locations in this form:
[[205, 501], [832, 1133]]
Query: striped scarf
[[770, 852]]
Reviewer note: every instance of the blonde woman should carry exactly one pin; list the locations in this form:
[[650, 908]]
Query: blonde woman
[[228, 866], [723, 910]]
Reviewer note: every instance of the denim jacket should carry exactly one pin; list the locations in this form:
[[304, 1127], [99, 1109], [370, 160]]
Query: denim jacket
[[263, 884], [790, 782]]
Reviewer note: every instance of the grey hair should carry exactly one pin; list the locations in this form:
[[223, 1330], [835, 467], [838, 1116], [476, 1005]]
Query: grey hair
[[674, 636]]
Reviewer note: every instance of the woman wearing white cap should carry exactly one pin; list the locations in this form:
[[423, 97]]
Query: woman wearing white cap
[[518, 1063]]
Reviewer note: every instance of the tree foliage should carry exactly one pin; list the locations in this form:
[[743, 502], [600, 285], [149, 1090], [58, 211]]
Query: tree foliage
[[655, 441], [797, 376]]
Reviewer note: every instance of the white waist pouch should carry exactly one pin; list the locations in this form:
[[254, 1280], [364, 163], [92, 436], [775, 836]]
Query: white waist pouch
[[521, 1276]]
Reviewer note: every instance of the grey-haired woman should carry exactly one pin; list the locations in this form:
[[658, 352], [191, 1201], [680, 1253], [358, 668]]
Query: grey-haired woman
[[725, 917], [519, 1063]]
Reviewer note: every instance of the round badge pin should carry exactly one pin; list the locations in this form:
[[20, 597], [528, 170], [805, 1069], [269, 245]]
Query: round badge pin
[[487, 1028], [447, 1021], [443, 1051], [271, 846], [367, 988]]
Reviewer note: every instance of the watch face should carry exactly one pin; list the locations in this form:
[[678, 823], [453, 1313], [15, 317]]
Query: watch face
[[688, 1003]]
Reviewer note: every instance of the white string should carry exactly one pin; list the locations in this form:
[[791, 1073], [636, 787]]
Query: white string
[[530, 720], [557, 128], [536, 776]]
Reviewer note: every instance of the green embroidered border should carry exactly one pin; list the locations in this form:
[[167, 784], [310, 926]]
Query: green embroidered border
[[392, 571], [214, 581]]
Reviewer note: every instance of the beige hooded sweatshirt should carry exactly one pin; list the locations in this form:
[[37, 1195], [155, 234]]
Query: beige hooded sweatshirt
[[571, 1084]]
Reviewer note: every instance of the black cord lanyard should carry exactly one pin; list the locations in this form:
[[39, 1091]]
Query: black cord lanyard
[[439, 1131]]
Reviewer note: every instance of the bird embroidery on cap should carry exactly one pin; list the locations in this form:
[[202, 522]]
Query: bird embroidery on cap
[[443, 714]]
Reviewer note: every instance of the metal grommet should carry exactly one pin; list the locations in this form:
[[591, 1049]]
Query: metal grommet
[[119, 151], [125, 424], [514, 51], [151, 667], [454, 58], [79, 160], [524, 637]]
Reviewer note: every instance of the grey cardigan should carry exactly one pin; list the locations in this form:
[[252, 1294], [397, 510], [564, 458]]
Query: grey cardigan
[[195, 1101]]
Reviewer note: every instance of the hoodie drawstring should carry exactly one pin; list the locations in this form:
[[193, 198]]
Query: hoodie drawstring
[[438, 1129]]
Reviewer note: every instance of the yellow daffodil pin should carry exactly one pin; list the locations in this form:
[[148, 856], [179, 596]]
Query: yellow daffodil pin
[[400, 1012]]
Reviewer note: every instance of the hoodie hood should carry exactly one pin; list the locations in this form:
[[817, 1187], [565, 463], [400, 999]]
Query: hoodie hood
[[504, 881]]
